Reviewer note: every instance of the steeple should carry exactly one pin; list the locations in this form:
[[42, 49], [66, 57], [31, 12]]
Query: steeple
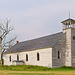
[[69, 23], [69, 14]]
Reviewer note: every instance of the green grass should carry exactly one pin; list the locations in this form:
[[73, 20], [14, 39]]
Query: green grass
[[25, 68], [64, 68], [34, 68]]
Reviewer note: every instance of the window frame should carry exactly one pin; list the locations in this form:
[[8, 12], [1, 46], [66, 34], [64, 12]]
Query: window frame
[[38, 56], [17, 57], [26, 57], [58, 54], [10, 58]]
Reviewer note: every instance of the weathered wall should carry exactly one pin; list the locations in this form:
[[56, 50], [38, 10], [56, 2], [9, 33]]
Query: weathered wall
[[73, 46], [68, 47], [45, 57], [59, 46]]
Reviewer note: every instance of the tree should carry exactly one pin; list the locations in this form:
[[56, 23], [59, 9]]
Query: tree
[[5, 29]]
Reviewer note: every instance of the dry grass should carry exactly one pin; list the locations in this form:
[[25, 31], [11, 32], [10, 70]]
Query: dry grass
[[7, 72]]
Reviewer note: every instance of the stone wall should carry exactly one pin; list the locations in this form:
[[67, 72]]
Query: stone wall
[[59, 46], [68, 47], [44, 54], [73, 46]]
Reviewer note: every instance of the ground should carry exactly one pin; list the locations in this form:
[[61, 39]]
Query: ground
[[5, 72]]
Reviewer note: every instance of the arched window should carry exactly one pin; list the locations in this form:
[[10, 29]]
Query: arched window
[[58, 55], [17, 57], [10, 58], [37, 56], [26, 57]]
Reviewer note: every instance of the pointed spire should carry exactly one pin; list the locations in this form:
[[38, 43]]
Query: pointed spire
[[69, 14]]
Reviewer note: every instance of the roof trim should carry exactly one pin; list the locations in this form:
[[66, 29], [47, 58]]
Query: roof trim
[[30, 50], [67, 20]]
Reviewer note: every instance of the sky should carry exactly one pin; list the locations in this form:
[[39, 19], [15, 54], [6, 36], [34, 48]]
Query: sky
[[36, 18]]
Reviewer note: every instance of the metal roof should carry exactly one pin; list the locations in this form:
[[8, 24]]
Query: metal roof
[[42, 42], [68, 20]]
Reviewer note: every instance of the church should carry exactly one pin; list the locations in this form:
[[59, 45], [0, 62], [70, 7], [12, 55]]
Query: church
[[52, 51]]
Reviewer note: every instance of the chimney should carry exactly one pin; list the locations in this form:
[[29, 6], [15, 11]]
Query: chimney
[[17, 41]]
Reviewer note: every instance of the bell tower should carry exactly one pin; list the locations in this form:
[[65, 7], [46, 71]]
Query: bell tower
[[69, 30], [69, 23]]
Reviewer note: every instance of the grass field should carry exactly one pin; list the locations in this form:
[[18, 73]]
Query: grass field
[[35, 70], [5, 72]]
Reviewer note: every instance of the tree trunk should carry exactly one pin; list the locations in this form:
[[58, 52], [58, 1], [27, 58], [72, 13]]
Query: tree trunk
[[2, 58]]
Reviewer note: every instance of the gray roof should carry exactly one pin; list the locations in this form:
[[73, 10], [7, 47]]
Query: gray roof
[[68, 20], [42, 42]]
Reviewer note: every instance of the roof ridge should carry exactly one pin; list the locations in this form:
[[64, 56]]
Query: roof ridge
[[41, 37]]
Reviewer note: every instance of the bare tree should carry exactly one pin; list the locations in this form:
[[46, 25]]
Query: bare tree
[[5, 29]]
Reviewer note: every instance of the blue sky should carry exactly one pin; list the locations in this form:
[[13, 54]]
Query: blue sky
[[36, 18]]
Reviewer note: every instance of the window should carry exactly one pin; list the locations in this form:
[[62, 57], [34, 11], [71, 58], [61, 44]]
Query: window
[[26, 57], [58, 55], [10, 58], [17, 57], [37, 56], [73, 37]]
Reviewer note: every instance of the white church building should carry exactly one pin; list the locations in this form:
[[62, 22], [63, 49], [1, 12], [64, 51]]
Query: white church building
[[51, 51]]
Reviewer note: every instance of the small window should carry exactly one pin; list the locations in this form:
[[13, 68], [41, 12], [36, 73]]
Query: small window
[[58, 55], [26, 57], [10, 58], [73, 37], [37, 56], [17, 57]]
